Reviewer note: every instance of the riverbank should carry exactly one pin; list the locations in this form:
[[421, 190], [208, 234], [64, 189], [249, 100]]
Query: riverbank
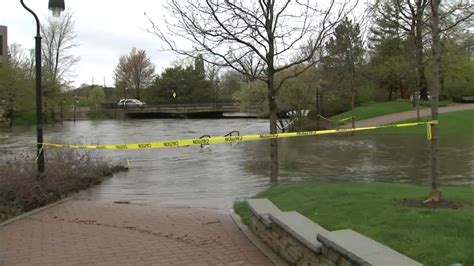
[[458, 124], [371, 110], [410, 115], [67, 171], [440, 236]]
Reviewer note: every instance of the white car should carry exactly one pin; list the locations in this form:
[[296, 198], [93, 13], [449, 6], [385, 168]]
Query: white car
[[127, 103]]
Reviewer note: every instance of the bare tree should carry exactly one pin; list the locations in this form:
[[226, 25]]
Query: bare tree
[[443, 19], [134, 71], [23, 59], [59, 38], [258, 39]]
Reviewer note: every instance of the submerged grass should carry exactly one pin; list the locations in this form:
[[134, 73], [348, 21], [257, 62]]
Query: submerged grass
[[431, 236]]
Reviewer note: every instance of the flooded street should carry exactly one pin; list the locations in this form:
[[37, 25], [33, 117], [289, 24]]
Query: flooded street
[[217, 175]]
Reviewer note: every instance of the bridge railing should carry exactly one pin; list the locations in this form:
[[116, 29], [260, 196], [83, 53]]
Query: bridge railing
[[178, 106]]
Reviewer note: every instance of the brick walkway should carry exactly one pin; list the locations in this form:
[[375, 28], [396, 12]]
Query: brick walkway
[[80, 232]]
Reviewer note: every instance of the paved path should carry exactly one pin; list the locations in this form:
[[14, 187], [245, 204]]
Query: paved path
[[81, 232], [389, 119]]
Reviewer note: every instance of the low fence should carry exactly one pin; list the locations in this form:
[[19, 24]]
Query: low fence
[[176, 105]]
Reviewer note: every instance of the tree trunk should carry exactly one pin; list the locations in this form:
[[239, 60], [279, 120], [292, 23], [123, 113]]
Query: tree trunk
[[435, 194], [317, 108], [270, 56], [353, 90], [352, 110], [420, 67], [423, 84], [138, 93], [321, 103], [273, 126]]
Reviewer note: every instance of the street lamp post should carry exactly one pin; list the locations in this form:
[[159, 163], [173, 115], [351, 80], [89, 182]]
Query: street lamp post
[[56, 6]]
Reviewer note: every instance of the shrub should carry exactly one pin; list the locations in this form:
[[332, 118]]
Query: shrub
[[67, 171], [460, 82]]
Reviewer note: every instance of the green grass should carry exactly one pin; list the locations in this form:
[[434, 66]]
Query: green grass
[[372, 110], [376, 109], [431, 236], [454, 124]]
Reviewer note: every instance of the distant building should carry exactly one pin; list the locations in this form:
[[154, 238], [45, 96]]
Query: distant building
[[3, 44]]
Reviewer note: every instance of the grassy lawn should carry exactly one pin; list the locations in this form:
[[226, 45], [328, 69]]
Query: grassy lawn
[[431, 236], [458, 124], [372, 110], [376, 109]]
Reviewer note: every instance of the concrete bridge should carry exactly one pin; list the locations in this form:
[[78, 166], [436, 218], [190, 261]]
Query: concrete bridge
[[189, 110]]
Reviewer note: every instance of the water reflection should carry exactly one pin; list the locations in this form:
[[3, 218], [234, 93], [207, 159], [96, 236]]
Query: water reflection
[[218, 175]]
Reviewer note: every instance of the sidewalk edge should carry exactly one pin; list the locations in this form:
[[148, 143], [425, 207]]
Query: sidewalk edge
[[266, 251], [26, 214]]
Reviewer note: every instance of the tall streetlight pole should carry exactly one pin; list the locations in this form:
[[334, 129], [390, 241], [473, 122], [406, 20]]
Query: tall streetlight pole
[[56, 6]]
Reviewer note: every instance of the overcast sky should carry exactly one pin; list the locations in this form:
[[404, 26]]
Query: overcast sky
[[106, 29]]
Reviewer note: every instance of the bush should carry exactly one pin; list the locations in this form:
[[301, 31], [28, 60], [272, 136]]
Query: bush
[[460, 82], [67, 171], [334, 105]]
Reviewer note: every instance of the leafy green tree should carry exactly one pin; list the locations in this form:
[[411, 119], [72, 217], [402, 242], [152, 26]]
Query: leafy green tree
[[392, 60], [344, 60], [96, 96], [188, 83], [199, 66], [231, 83], [253, 98], [457, 70], [17, 94], [390, 67], [386, 23], [411, 20]]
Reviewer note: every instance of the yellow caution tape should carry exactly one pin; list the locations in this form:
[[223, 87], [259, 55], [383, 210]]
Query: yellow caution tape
[[230, 139], [332, 120], [429, 133], [345, 119]]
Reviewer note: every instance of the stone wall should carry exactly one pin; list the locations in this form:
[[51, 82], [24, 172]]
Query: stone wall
[[301, 241], [291, 249]]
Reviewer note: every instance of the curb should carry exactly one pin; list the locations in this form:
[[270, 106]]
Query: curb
[[26, 214], [266, 251]]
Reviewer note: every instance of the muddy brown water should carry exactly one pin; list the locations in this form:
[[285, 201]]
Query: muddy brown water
[[216, 176]]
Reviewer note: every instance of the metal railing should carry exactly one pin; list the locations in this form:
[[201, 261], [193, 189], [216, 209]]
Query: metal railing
[[175, 106]]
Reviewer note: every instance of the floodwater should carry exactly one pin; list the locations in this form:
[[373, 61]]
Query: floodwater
[[216, 176]]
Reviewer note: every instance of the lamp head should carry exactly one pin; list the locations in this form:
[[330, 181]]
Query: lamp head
[[57, 6]]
